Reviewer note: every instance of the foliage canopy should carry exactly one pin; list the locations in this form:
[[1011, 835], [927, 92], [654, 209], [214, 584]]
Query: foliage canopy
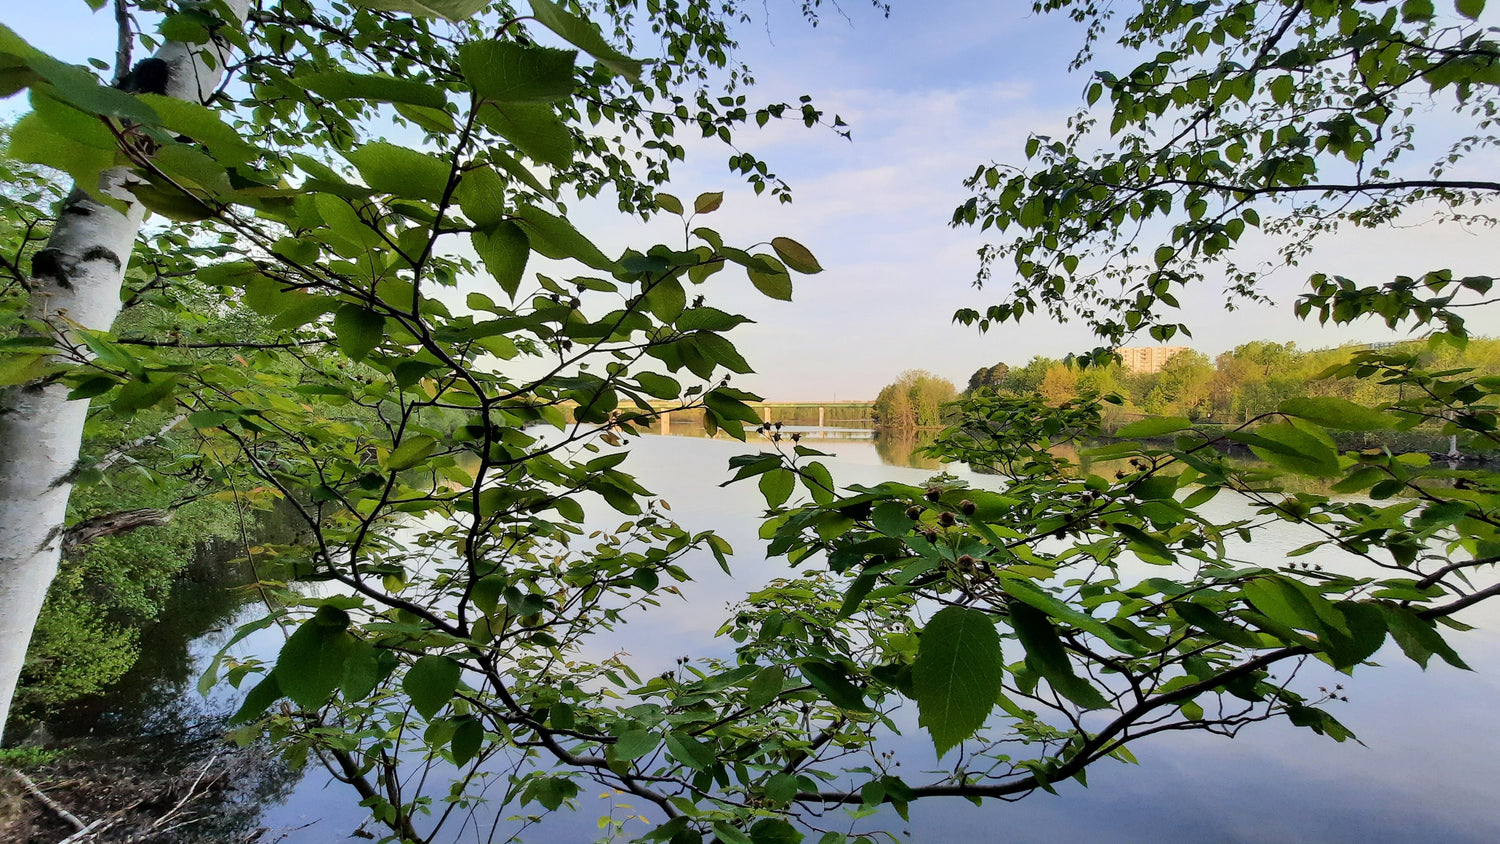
[[458, 465]]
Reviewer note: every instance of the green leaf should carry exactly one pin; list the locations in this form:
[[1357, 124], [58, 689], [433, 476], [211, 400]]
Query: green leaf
[[1027, 591], [796, 256], [730, 835], [633, 744], [364, 670], [453, 10], [689, 751], [486, 592], [581, 33], [535, 129], [358, 330], [258, 700], [510, 72], [1154, 427], [1418, 637], [766, 686], [659, 386], [777, 285], [777, 485], [834, 683], [34, 141], [957, 676], [819, 482], [1046, 656], [311, 663], [1336, 413], [707, 203], [774, 831], [668, 203], [339, 85], [431, 683], [399, 171], [410, 452], [1295, 449], [1470, 9], [481, 196], [505, 250], [556, 238], [666, 299], [468, 737]]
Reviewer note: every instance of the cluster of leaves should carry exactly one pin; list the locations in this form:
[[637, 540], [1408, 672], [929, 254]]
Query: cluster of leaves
[[1290, 118], [456, 464], [451, 460], [1072, 612]]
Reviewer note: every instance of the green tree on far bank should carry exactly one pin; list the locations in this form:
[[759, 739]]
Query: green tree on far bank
[[914, 400]]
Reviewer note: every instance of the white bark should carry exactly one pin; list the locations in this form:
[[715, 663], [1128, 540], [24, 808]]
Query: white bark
[[77, 281]]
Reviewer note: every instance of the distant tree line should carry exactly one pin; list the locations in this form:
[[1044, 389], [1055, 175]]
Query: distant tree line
[[1253, 379]]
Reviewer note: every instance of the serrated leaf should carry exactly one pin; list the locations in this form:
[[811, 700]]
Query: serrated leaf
[[696, 754], [534, 128], [505, 249], [834, 683], [410, 452], [556, 238], [633, 744], [795, 255], [1154, 427], [358, 330], [258, 700], [773, 284], [957, 676], [481, 196], [777, 485], [311, 663], [399, 171], [510, 72], [339, 85], [431, 683], [1046, 656], [581, 33], [453, 10], [1336, 413], [468, 737]]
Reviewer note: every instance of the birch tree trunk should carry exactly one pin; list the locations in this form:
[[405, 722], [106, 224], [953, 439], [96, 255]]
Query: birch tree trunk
[[76, 281]]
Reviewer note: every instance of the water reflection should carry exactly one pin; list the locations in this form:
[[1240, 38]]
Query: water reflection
[[1424, 773]]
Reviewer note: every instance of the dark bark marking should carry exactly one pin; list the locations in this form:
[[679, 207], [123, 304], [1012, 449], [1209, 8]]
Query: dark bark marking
[[99, 253], [52, 263]]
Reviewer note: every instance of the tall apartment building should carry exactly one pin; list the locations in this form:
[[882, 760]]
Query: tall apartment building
[[1139, 359]]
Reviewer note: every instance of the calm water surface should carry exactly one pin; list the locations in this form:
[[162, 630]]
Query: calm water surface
[[1427, 771]]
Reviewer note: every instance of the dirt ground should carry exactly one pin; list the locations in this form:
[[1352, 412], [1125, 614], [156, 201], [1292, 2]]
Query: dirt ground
[[133, 800]]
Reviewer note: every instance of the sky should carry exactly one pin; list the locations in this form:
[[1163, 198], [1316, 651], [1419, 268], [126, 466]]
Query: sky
[[930, 93]]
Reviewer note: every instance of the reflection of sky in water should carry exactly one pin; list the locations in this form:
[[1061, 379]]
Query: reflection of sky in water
[[1425, 774]]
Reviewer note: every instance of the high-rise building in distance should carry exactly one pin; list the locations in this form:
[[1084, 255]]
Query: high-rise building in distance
[[1140, 359]]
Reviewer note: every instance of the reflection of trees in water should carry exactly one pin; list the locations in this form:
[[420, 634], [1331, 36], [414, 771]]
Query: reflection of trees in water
[[154, 728], [905, 447]]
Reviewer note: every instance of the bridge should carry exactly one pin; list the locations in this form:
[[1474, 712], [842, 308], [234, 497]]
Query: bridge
[[838, 414]]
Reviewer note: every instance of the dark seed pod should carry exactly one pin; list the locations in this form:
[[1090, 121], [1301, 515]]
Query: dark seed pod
[[914, 512], [968, 507], [946, 519], [934, 493], [966, 562], [929, 534]]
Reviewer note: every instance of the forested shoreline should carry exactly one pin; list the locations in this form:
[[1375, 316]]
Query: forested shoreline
[[1234, 388]]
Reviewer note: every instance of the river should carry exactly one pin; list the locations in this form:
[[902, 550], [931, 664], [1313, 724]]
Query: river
[[1425, 771]]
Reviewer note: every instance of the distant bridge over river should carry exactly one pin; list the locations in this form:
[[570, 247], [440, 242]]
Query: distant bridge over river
[[828, 414]]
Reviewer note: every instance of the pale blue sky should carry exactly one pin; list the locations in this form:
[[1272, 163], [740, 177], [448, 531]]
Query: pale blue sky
[[930, 93]]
